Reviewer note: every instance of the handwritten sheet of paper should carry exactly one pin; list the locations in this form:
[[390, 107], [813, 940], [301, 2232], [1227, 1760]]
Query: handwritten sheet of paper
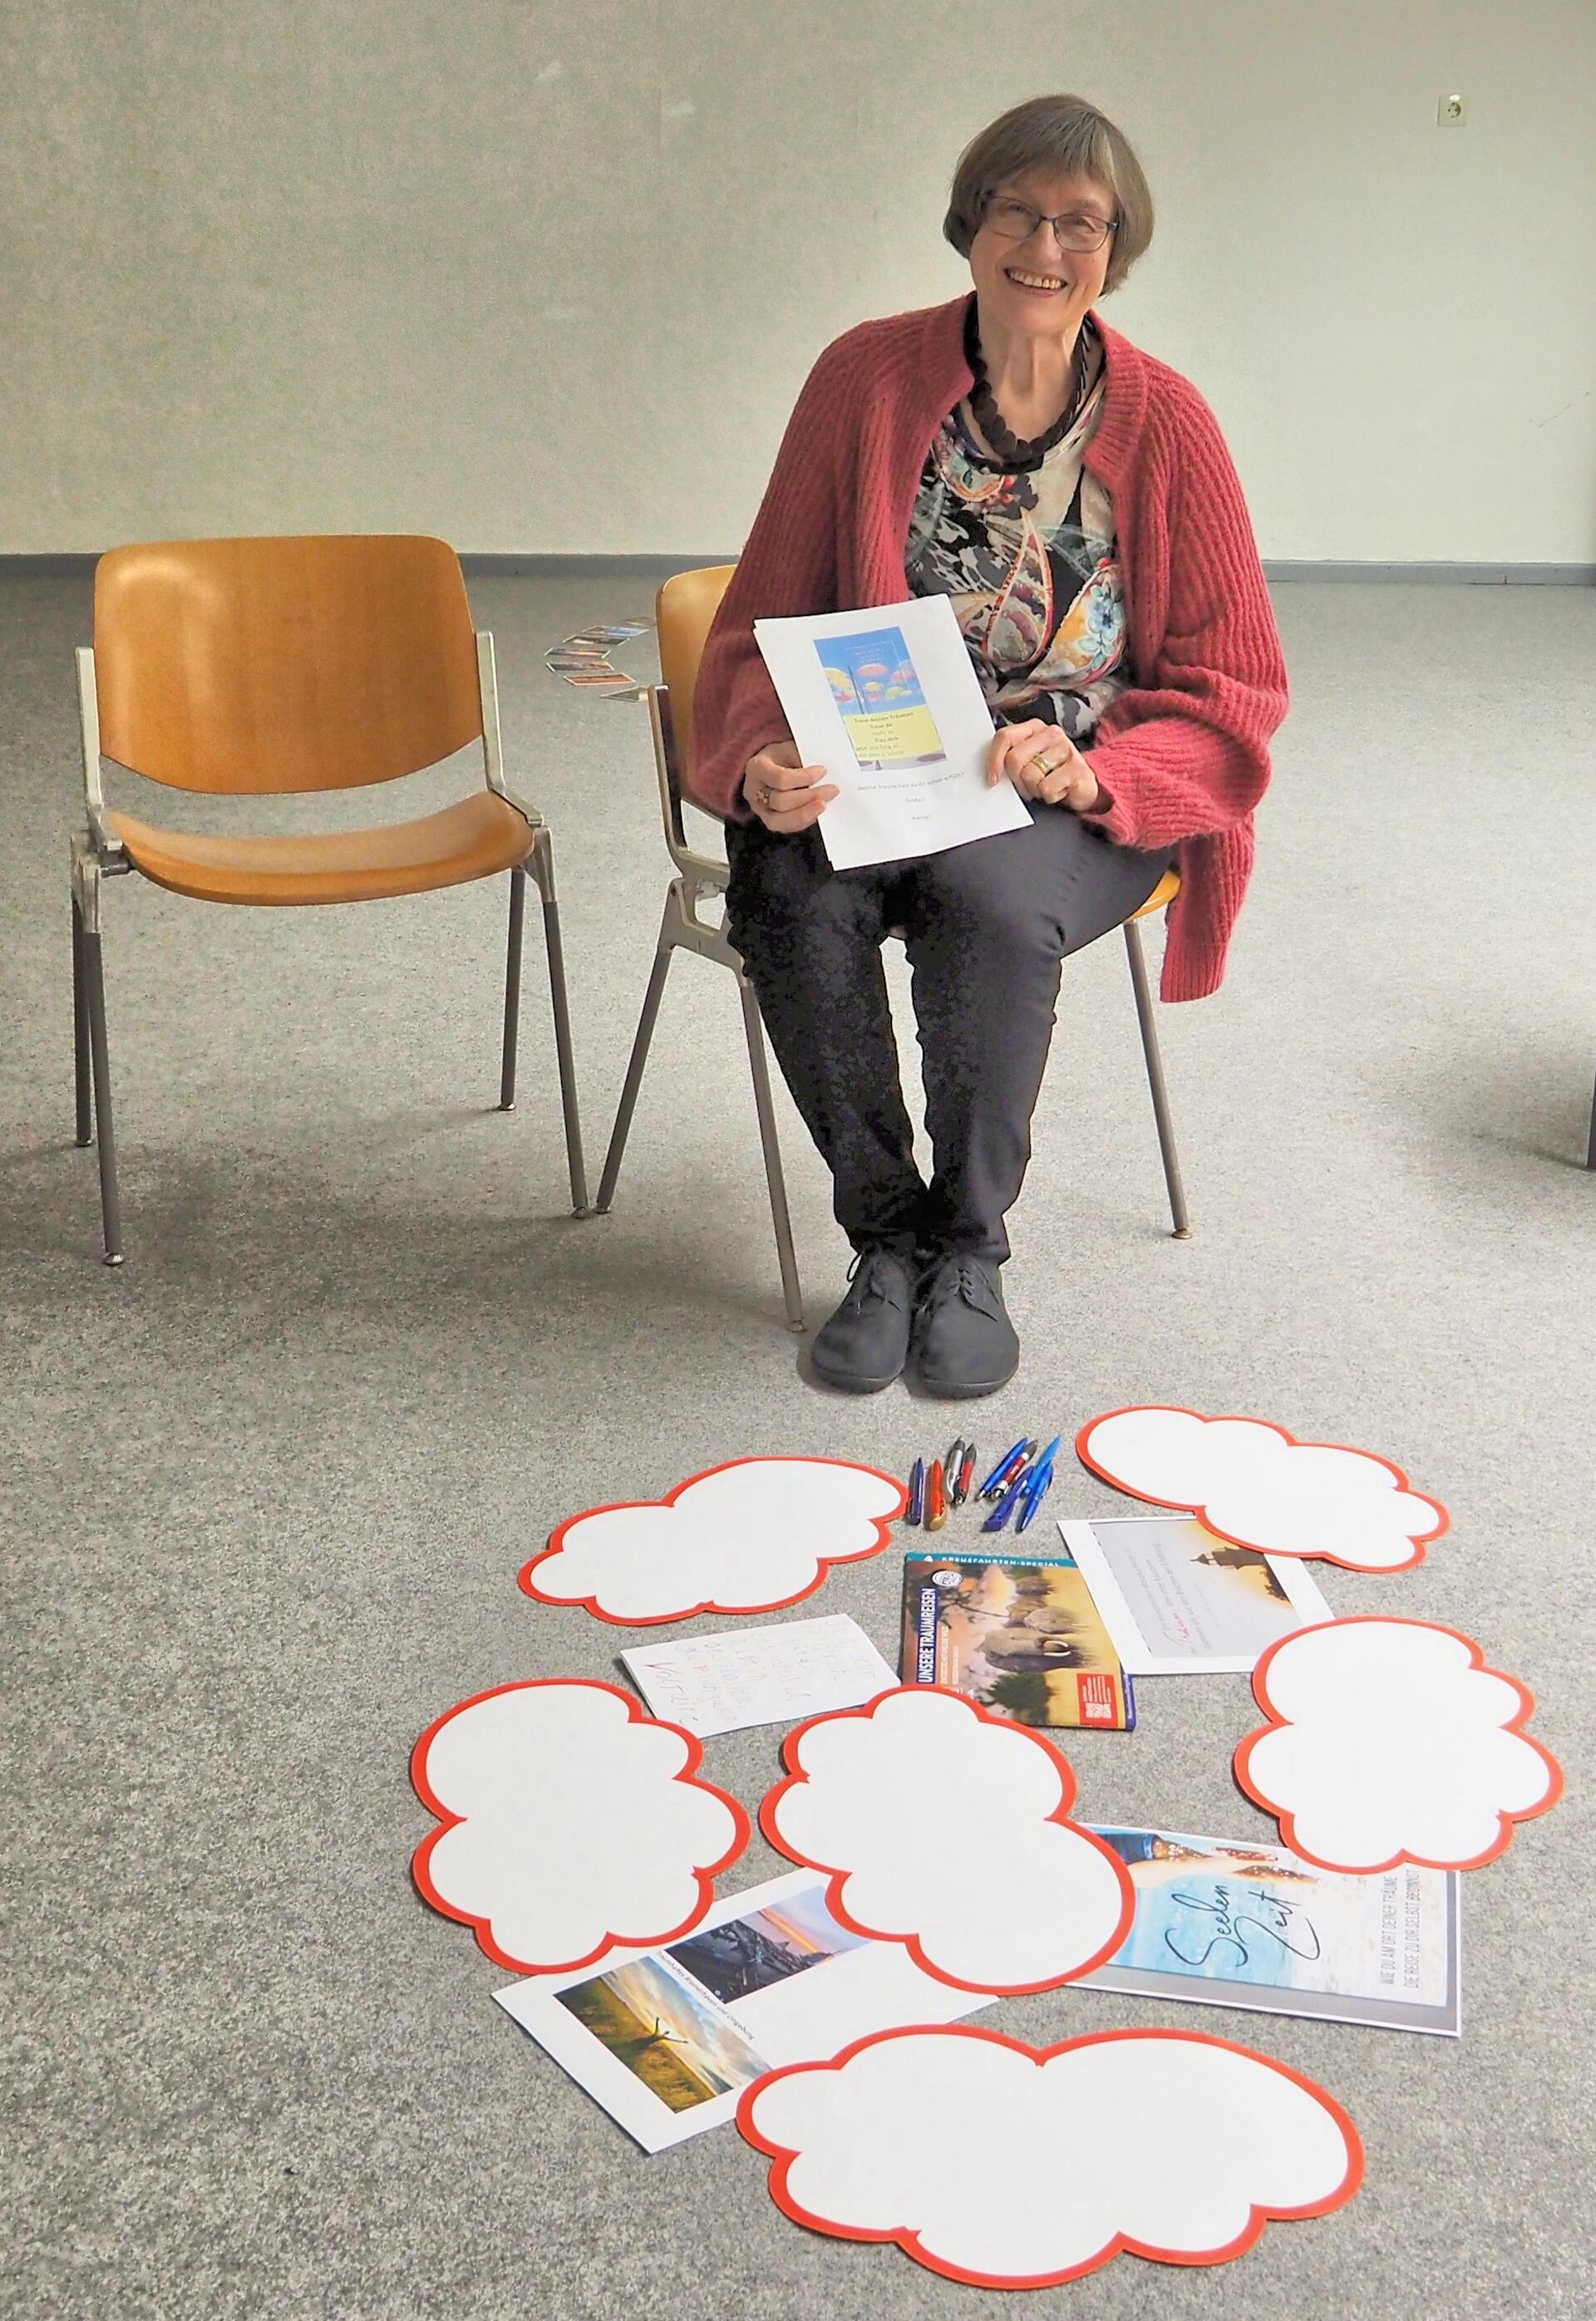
[[760, 1676], [886, 700]]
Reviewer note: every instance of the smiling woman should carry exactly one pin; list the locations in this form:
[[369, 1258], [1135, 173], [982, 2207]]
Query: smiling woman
[[1074, 500]]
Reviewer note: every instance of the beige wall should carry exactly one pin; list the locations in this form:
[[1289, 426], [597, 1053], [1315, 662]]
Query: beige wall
[[546, 278]]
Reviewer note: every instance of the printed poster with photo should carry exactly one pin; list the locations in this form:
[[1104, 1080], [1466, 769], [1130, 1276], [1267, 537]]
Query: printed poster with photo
[[667, 2039], [885, 699], [1177, 1601], [1228, 1923]]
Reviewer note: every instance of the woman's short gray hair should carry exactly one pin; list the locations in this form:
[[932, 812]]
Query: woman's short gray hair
[[1071, 137]]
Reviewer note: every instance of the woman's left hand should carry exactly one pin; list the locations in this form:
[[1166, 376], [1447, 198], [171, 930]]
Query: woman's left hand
[[1043, 763]]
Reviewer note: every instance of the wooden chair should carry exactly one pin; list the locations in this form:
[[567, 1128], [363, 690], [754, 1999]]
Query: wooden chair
[[686, 608], [259, 667]]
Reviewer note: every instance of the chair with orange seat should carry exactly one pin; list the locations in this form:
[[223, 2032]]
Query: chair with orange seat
[[261, 668], [686, 607]]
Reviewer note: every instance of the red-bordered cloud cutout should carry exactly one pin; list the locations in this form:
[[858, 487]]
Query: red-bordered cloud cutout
[[1253, 1484], [751, 1535], [1391, 1741], [948, 1829], [568, 1821], [1014, 2167]]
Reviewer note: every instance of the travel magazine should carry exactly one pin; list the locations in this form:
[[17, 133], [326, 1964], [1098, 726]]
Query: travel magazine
[[1020, 1635]]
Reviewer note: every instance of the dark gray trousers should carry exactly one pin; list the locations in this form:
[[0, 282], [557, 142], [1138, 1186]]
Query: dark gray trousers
[[986, 926]]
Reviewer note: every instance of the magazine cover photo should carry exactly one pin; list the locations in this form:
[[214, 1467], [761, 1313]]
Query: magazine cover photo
[[1020, 1635]]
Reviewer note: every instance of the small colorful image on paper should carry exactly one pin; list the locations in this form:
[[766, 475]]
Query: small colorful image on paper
[[877, 689], [683, 2050], [668, 2059], [743, 1955], [596, 677]]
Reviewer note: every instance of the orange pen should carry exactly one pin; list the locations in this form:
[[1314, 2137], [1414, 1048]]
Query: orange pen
[[937, 1498]]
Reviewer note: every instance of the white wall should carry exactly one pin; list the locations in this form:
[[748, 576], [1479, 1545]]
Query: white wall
[[546, 278]]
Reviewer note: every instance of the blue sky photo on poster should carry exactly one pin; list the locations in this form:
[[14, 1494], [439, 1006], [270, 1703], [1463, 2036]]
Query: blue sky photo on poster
[[883, 703], [1239, 1924]]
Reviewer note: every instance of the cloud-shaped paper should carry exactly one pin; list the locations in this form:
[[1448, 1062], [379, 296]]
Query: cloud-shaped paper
[[571, 1821], [949, 1830], [748, 1537], [1391, 1741], [1252, 1483], [1017, 2167]]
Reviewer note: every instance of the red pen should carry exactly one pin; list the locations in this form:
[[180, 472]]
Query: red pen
[[937, 1498], [966, 1476]]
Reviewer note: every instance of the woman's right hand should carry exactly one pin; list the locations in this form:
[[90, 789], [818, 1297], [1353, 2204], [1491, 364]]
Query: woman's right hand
[[785, 794]]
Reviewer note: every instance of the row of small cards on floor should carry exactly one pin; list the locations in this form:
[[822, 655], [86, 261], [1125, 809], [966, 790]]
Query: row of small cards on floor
[[584, 659], [942, 1865]]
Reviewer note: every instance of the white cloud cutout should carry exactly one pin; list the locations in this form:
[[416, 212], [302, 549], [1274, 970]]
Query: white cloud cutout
[[1252, 1483], [748, 1537], [948, 1830], [571, 1821], [1019, 2167], [1391, 1741]]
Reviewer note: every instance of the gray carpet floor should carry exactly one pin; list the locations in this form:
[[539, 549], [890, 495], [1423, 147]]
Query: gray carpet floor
[[267, 1489]]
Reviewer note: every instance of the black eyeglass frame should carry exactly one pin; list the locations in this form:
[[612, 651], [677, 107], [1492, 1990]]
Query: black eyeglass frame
[[1077, 250]]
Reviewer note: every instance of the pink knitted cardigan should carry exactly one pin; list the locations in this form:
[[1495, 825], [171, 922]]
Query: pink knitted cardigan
[[1184, 752]]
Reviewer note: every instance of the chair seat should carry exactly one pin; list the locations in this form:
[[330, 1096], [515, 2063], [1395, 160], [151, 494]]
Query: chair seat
[[471, 840], [1167, 889]]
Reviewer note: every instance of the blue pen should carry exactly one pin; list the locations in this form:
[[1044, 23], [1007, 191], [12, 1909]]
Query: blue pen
[[998, 1518], [1036, 1491], [1049, 1455], [1018, 1458], [916, 1492], [1002, 1466]]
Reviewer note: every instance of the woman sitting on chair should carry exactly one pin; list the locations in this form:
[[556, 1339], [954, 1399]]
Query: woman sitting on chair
[[1075, 500]]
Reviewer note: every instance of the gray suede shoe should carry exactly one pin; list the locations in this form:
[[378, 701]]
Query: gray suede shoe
[[964, 1342], [865, 1344]]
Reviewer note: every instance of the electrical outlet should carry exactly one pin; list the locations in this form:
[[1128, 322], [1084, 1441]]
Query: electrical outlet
[[1452, 112]]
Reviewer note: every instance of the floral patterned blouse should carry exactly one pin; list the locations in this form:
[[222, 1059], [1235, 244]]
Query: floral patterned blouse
[[1029, 560]]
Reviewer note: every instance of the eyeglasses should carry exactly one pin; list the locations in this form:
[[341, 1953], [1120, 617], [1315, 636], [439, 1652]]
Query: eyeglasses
[[1076, 231]]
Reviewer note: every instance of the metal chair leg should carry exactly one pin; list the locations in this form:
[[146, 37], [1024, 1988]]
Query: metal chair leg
[[507, 1075], [80, 1053], [542, 858], [110, 1194], [788, 1257], [1161, 1107], [633, 1081]]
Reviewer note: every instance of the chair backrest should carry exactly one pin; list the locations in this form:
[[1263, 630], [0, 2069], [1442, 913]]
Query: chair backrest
[[685, 610], [264, 666]]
